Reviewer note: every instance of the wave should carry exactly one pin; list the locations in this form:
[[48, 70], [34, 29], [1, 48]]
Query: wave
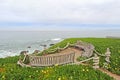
[[4, 53], [50, 41], [56, 39]]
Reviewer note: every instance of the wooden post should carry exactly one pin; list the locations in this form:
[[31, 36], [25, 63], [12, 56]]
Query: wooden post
[[95, 62]]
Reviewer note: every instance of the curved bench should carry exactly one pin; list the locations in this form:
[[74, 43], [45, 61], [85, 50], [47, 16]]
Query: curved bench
[[49, 60]]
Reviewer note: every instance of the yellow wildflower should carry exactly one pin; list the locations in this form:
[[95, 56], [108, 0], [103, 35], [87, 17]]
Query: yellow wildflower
[[36, 70], [59, 78], [83, 70], [30, 76], [45, 72], [71, 77], [3, 77], [87, 70], [42, 71], [118, 51], [56, 64]]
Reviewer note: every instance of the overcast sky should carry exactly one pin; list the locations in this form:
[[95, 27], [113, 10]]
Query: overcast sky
[[59, 14]]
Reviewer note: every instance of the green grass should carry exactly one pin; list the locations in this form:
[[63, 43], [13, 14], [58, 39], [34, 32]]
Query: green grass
[[100, 45], [67, 72], [9, 70]]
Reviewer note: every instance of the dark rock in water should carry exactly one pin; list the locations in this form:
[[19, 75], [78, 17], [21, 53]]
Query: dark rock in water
[[36, 51], [29, 47], [52, 44], [23, 52], [43, 45]]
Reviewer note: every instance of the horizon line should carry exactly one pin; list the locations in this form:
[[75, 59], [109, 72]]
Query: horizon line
[[58, 30]]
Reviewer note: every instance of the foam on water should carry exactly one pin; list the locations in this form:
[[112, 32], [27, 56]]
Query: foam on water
[[56, 39], [12, 43], [15, 49], [4, 53]]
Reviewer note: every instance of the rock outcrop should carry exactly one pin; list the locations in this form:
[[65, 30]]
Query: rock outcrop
[[87, 48]]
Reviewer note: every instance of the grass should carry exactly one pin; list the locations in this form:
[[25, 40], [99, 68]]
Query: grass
[[66, 72], [101, 44], [9, 70]]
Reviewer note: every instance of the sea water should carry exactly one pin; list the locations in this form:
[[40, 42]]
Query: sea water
[[13, 42]]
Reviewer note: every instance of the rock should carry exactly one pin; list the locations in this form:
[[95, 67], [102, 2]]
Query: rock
[[79, 47], [36, 51], [87, 48], [29, 47], [44, 45], [23, 52], [52, 44]]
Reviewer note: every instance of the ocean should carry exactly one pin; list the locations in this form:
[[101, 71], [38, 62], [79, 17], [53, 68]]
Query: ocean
[[13, 42]]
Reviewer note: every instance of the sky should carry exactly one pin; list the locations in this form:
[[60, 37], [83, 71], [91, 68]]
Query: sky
[[59, 14]]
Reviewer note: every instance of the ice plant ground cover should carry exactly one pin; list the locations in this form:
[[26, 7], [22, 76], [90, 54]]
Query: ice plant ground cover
[[9, 70]]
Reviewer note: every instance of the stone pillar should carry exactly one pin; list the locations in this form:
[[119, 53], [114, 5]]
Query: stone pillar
[[107, 58], [107, 54], [95, 62], [79, 42]]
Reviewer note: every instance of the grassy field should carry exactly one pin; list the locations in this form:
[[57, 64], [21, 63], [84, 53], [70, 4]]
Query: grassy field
[[100, 45], [9, 70]]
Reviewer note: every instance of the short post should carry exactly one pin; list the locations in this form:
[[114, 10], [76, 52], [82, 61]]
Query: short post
[[79, 42], [95, 62], [107, 54], [107, 58], [58, 49]]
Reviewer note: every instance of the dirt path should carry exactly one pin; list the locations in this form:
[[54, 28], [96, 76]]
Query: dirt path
[[70, 50], [78, 53], [116, 77]]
